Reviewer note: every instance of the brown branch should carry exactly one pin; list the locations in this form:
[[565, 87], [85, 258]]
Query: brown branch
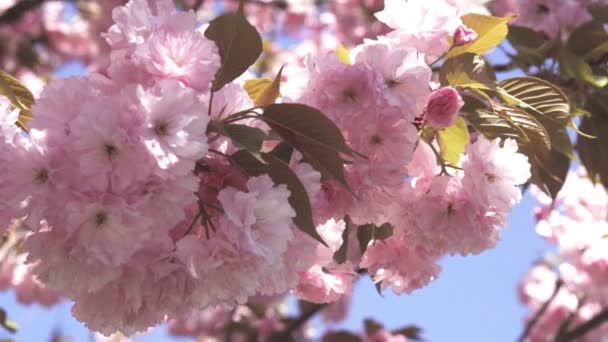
[[294, 325], [541, 312], [19, 10], [584, 328]]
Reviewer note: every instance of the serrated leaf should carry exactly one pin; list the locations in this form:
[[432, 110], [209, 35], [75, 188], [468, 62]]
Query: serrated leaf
[[281, 173], [551, 174], [467, 70], [588, 40], [309, 131], [370, 232], [20, 97], [341, 336], [453, 140], [239, 45], [255, 86], [594, 152], [558, 135], [283, 151], [532, 47], [343, 54], [492, 125], [599, 12], [246, 137], [576, 67], [536, 138], [491, 31], [537, 95], [264, 91]]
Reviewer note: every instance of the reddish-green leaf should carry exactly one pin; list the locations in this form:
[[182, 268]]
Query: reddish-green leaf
[[370, 232], [239, 45], [20, 97], [281, 173], [537, 95], [594, 152], [467, 70], [313, 134]]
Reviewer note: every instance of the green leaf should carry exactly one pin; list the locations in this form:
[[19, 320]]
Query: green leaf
[[264, 91], [576, 67], [246, 137], [599, 12], [532, 47], [538, 96], [341, 336], [239, 45], [588, 40], [492, 125], [281, 173], [535, 139], [594, 152], [370, 232], [558, 135], [343, 55], [491, 31], [19, 95], [452, 141], [551, 174], [283, 151], [467, 70], [309, 131], [254, 87]]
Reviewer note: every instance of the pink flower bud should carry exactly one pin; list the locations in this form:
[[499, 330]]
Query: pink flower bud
[[443, 107], [464, 35]]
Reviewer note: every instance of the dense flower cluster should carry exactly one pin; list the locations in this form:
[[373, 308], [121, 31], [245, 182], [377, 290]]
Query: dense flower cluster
[[552, 17], [576, 223], [138, 212]]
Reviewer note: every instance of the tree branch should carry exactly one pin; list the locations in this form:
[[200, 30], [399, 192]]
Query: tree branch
[[584, 328], [541, 312]]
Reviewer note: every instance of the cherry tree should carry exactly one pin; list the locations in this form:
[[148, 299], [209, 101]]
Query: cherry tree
[[218, 157]]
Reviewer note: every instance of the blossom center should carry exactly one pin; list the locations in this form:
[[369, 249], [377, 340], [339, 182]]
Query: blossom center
[[349, 94], [100, 218], [161, 129], [542, 9], [41, 176], [391, 83], [376, 140], [110, 150]]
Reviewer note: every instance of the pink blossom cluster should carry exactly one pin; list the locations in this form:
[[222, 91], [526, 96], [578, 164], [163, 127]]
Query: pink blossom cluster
[[17, 275], [576, 223], [552, 17], [137, 214], [54, 33]]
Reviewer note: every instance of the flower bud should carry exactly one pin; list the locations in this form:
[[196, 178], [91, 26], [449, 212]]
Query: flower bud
[[464, 35], [443, 107]]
